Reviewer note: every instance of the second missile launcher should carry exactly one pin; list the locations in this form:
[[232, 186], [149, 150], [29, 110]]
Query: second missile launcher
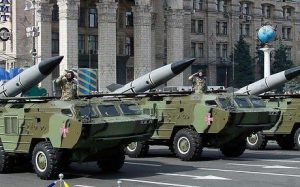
[[287, 131], [53, 133], [193, 121]]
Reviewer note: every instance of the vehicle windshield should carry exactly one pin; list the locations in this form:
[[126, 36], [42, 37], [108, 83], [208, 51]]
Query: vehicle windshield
[[130, 109], [225, 102], [87, 111], [108, 110], [242, 102], [257, 102]]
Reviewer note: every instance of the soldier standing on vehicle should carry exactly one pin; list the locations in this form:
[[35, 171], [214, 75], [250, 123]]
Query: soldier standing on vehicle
[[68, 85], [198, 81]]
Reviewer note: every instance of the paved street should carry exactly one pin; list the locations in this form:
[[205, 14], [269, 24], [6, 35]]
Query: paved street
[[272, 167]]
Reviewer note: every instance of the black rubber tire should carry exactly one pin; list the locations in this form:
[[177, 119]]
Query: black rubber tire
[[6, 162], [285, 142], [112, 162], [53, 165], [141, 150], [259, 144], [234, 148], [194, 145], [297, 139]]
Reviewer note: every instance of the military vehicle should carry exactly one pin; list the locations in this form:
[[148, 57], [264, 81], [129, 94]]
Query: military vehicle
[[53, 133], [287, 131], [190, 122]]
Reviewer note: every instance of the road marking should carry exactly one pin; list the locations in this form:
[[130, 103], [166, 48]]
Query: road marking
[[264, 166], [83, 186], [208, 177], [269, 160], [277, 160], [142, 164], [158, 183], [250, 172]]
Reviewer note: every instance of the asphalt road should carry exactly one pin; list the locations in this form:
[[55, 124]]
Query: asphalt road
[[268, 168]]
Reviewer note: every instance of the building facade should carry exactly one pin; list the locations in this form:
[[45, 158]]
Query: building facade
[[125, 39]]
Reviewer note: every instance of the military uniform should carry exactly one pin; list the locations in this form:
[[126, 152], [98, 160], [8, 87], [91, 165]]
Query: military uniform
[[68, 88], [199, 84]]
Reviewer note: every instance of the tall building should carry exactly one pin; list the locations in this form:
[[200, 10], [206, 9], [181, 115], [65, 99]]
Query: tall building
[[125, 39]]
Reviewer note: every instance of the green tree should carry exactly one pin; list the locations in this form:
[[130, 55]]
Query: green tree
[[243, 70], [281, 63]]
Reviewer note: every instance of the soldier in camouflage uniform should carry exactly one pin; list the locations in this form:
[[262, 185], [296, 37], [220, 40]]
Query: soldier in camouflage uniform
[[198, 81], [68, 85]]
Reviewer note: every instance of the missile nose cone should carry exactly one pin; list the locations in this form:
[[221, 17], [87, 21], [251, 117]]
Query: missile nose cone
[[292, 73], [48, 65], [179, 66]]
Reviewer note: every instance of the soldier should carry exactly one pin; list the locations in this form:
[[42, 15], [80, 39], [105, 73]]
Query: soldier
[[198, 81], [68, 85]]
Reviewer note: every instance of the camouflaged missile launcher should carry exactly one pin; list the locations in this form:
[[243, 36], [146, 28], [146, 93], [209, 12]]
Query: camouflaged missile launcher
[[53, 133], [191, 122], [287, 131]]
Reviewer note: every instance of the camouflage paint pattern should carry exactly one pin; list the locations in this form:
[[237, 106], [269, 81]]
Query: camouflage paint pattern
[[23, 125], [205, 114]]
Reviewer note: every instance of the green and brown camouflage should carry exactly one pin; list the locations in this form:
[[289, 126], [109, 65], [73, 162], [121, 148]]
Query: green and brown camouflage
[[193, 121], [287, 131], [55, 132]]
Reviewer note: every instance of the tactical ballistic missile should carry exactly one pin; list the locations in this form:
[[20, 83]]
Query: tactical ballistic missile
[[270, 82], [155, 77], [29, 77]]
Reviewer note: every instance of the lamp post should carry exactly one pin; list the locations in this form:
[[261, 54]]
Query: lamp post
[[32, 31]]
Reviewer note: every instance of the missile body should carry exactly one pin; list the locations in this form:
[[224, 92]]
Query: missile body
[[155, 77], [29, 78], [270, 82]]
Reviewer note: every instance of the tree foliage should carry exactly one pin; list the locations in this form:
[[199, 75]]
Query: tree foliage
[[243, 70], [281, 63]]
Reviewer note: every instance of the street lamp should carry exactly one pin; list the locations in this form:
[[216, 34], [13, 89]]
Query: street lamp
[[32, 31]]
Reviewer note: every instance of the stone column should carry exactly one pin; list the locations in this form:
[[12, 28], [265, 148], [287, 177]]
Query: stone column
[[175, 37], [44, 41], [68, 33], [107, 18], [142, 37]]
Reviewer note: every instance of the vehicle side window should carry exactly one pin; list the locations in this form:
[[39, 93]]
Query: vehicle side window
[[225, 102], [67, 112], [130, 109], [242, 102], [258, 103], [108, 110], [87, 111], [211, 103]]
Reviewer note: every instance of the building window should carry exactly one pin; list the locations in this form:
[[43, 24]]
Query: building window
[[81, 21], [221, 5], [286, 33], [55, 13], [225, 51], [81, 44], [93, 44], [245, 30], [197, 50], [218, 27], [224, 28], [197, 26], [93, 18], [55, 43], [245, 8], [287, 12], [221, 50], [198, 4], [129, 19], [266, 10], [289, 53], [218, 50], [129, 46]]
